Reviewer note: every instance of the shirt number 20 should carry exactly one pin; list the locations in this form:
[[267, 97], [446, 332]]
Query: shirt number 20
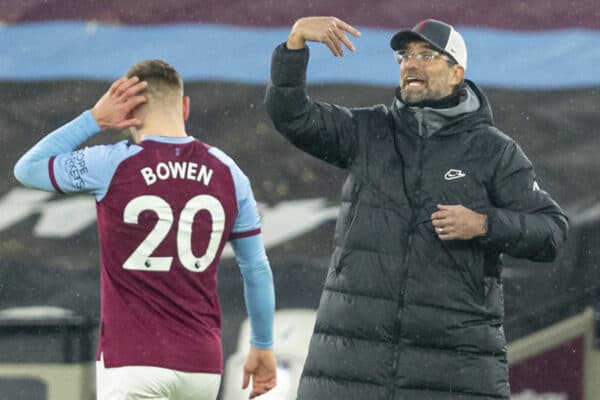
[[142, 260]]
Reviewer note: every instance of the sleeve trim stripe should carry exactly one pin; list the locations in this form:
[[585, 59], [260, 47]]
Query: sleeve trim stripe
[[239, 235], [52, 176]]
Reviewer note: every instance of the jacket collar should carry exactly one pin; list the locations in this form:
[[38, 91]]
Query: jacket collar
[[472, 106]]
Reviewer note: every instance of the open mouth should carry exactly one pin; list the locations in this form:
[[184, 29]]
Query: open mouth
[[413, 82]]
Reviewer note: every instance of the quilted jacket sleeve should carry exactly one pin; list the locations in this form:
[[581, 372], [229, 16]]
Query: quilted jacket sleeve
[[526, 222], [323, 130]]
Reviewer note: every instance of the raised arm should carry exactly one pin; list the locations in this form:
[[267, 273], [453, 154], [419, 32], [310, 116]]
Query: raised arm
[[323, 130], [112, 111]]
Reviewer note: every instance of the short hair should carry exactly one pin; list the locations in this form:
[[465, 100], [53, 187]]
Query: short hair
[[161, 77]]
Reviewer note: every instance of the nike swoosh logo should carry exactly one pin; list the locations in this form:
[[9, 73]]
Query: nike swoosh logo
[[454, 174]]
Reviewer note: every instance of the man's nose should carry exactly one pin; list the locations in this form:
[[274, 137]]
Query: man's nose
[[409, 66]]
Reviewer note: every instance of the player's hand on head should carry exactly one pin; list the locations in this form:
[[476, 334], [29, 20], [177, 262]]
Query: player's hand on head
[[115, 107], [330, 31], [261, 368]]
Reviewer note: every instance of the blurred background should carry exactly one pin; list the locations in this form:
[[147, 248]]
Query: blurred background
[[536, 60]]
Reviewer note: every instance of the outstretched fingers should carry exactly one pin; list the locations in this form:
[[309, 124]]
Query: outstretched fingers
[[348, 28], [334, 37], [330, 31], [332, 43], [340, 33]]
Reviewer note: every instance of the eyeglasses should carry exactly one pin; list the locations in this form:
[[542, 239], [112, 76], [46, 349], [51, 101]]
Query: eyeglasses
[[425, 56]]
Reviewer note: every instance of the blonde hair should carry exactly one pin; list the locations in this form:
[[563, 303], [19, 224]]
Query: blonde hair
[[164, 83]]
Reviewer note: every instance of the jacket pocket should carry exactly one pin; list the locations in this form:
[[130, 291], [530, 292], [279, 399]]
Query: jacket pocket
[[468, 258]]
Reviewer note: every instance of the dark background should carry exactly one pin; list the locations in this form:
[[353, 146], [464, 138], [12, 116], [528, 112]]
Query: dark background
[[555, 128]]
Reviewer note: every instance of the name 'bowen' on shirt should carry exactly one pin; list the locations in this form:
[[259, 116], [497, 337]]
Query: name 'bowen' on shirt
[[177, 170]]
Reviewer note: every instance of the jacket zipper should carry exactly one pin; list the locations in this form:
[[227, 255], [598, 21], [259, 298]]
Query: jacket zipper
[[399, 314]]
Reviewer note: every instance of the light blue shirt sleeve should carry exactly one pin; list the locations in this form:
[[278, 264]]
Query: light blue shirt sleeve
[[248, 219], [53, 164], [247, 243], [32, 168], [259, 291], [91, 169]]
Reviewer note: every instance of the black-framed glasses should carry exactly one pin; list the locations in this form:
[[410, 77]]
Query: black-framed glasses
[[425, 56]]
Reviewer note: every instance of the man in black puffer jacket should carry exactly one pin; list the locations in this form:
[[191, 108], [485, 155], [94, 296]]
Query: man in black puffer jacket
[[412, 307]]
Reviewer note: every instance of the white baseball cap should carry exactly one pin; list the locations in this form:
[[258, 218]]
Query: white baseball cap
[[440, 35]]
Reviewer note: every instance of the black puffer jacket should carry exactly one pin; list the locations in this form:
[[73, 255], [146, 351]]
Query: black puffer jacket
[[403, 314]]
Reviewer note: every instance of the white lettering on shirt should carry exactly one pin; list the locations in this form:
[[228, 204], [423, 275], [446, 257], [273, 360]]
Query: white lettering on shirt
[[148, 175], [177, 170]]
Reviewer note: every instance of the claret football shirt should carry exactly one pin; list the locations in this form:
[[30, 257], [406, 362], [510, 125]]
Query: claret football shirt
[[166, 207]]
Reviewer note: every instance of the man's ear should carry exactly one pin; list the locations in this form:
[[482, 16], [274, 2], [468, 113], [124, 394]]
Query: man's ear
[[457, 75], [186, 107]]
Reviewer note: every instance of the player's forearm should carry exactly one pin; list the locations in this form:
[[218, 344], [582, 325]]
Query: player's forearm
[[32, 168], [259, 294], [66, 138]]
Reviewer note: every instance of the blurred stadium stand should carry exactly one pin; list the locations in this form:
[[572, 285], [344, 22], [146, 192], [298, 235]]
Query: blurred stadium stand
[[46, 353]]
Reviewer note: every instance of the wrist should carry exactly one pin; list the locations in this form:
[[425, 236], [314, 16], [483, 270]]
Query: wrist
[[295, 40], [261, 345], [262, 350], [484, 225], [90, 122], [97, 117]]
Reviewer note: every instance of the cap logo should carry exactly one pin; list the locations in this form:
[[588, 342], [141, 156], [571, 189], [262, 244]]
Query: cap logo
[[422, 25]]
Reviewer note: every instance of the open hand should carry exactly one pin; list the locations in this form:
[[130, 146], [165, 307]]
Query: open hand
[[262, 368], [330, 31], [115, 107]]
